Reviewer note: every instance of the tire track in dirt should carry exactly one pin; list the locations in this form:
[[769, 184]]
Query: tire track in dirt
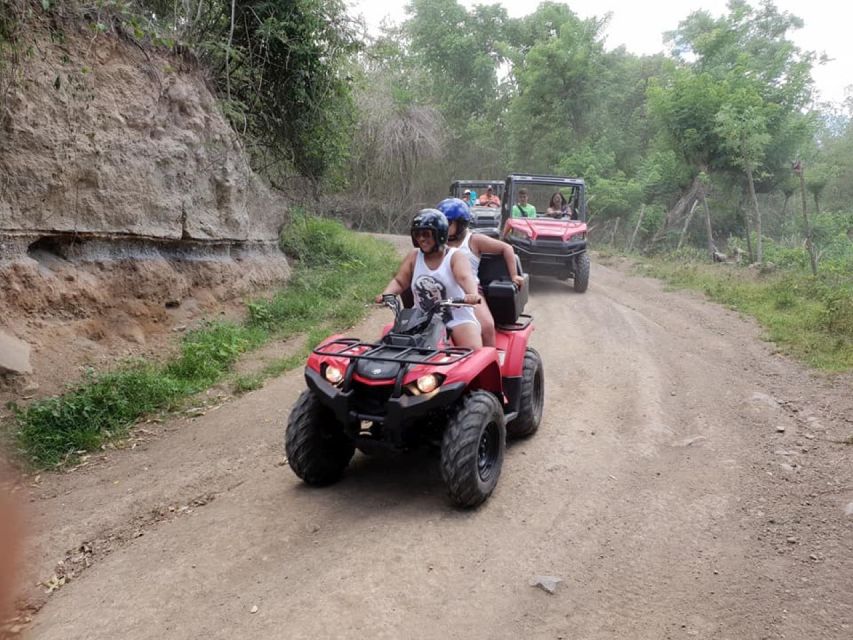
[[655, 509]]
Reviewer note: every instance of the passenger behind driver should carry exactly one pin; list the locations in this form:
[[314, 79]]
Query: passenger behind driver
[[474, 245], [435, 272]]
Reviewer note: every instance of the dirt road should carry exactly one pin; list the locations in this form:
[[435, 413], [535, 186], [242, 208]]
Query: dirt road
[[660, 489]]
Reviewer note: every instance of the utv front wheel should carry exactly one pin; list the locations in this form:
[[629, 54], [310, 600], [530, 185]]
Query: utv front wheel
[[581, 272], [532, 397], [317, 449], [472, 449]]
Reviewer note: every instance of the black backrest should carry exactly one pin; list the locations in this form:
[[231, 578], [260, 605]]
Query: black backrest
[[504, 299], [492, 267]]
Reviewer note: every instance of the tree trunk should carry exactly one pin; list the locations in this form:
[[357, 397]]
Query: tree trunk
[[809, 245], [785, 206], [637, 228], [686, 224], [746, 226], [711, 248], [816, 203], [759, 247], [679, 208]]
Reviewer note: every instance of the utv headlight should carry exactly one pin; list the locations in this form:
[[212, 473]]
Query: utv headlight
[[333, 375], [578, 236], [518, 233]]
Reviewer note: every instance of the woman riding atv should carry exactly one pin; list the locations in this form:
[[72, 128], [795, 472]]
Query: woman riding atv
[[474, 245], [436, 272]]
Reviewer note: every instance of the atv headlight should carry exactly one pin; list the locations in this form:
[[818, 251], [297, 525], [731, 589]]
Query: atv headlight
[[428, 383], [333, 374], [425, 384]]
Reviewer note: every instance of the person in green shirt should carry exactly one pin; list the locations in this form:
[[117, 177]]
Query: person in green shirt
[[522, 209]]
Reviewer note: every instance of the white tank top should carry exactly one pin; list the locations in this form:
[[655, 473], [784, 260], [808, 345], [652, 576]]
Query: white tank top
[[439, 284], [465, 248]]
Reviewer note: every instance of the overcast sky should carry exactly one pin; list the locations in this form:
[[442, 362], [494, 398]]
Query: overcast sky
[[640, 27]]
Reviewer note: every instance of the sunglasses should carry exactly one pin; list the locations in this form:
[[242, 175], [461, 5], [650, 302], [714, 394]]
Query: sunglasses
[[423, 233]]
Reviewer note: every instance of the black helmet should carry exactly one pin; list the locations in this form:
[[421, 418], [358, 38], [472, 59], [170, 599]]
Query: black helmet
[[435, 221]]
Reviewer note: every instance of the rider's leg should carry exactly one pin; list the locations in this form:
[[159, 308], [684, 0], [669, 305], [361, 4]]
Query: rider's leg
[[487, 323], [467, 334]]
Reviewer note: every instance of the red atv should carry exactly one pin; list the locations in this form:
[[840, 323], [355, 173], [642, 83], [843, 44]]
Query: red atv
[[412, 387]]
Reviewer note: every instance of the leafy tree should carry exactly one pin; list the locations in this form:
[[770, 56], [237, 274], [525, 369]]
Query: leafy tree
[[742, 126]]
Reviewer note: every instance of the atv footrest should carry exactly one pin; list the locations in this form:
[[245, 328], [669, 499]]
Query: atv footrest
[[354, 349]]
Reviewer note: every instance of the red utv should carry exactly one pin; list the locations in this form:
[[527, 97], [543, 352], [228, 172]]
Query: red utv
[[411, 387], [552, 244]]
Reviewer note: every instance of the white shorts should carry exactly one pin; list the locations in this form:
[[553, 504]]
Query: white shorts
[[461, 315]]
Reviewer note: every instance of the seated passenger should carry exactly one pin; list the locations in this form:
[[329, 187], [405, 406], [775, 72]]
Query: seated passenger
[[489, 199], [474, 245], [470, 197], [435, 272], [558, 207], [522, 209]]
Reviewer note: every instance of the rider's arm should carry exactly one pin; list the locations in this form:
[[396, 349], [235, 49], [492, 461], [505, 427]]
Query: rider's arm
[[461, 267], [403, 280], [481, 244]]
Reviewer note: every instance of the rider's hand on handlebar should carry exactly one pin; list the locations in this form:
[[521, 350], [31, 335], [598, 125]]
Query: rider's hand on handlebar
[[519, 281], [471, 298]]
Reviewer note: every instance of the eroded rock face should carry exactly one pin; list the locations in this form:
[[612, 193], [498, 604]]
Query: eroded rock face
[[128, 210], [104, 138]]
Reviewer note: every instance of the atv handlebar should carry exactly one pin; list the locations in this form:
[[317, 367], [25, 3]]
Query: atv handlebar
[[392, 301]]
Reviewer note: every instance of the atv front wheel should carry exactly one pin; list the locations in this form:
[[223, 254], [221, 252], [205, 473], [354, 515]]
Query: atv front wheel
[[472, 449], [532, 397], [581, 272], [317, 449]]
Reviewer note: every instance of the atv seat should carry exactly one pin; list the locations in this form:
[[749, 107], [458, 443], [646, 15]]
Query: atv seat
[[504, 299]]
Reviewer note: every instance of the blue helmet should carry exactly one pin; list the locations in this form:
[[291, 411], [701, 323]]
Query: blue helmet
[[433, 220], [455, 209]]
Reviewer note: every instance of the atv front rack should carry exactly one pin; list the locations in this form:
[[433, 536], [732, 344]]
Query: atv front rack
[[379, 351]]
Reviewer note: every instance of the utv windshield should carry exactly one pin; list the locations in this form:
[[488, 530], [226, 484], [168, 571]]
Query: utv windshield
[[543, 198]]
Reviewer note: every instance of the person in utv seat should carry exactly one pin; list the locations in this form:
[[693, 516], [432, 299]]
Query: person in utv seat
[[474, 245], [558, 207], [489, 199], [522, 209], [435, 272]]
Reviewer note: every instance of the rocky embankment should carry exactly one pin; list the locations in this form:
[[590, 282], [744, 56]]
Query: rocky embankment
[[127, 207]]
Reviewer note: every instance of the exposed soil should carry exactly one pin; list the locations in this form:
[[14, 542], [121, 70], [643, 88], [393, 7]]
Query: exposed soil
[[687, 481], [94, 313]]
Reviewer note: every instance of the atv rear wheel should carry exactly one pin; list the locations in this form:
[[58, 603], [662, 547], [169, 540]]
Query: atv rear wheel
[[472, 449], [532, 397], [581, 276], [317, 449]]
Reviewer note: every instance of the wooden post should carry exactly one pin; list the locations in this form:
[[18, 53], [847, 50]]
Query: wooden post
[[637, 228], [800, 171]]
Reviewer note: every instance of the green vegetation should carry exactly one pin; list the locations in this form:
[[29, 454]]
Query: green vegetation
[[336, 272], [809, 318]]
